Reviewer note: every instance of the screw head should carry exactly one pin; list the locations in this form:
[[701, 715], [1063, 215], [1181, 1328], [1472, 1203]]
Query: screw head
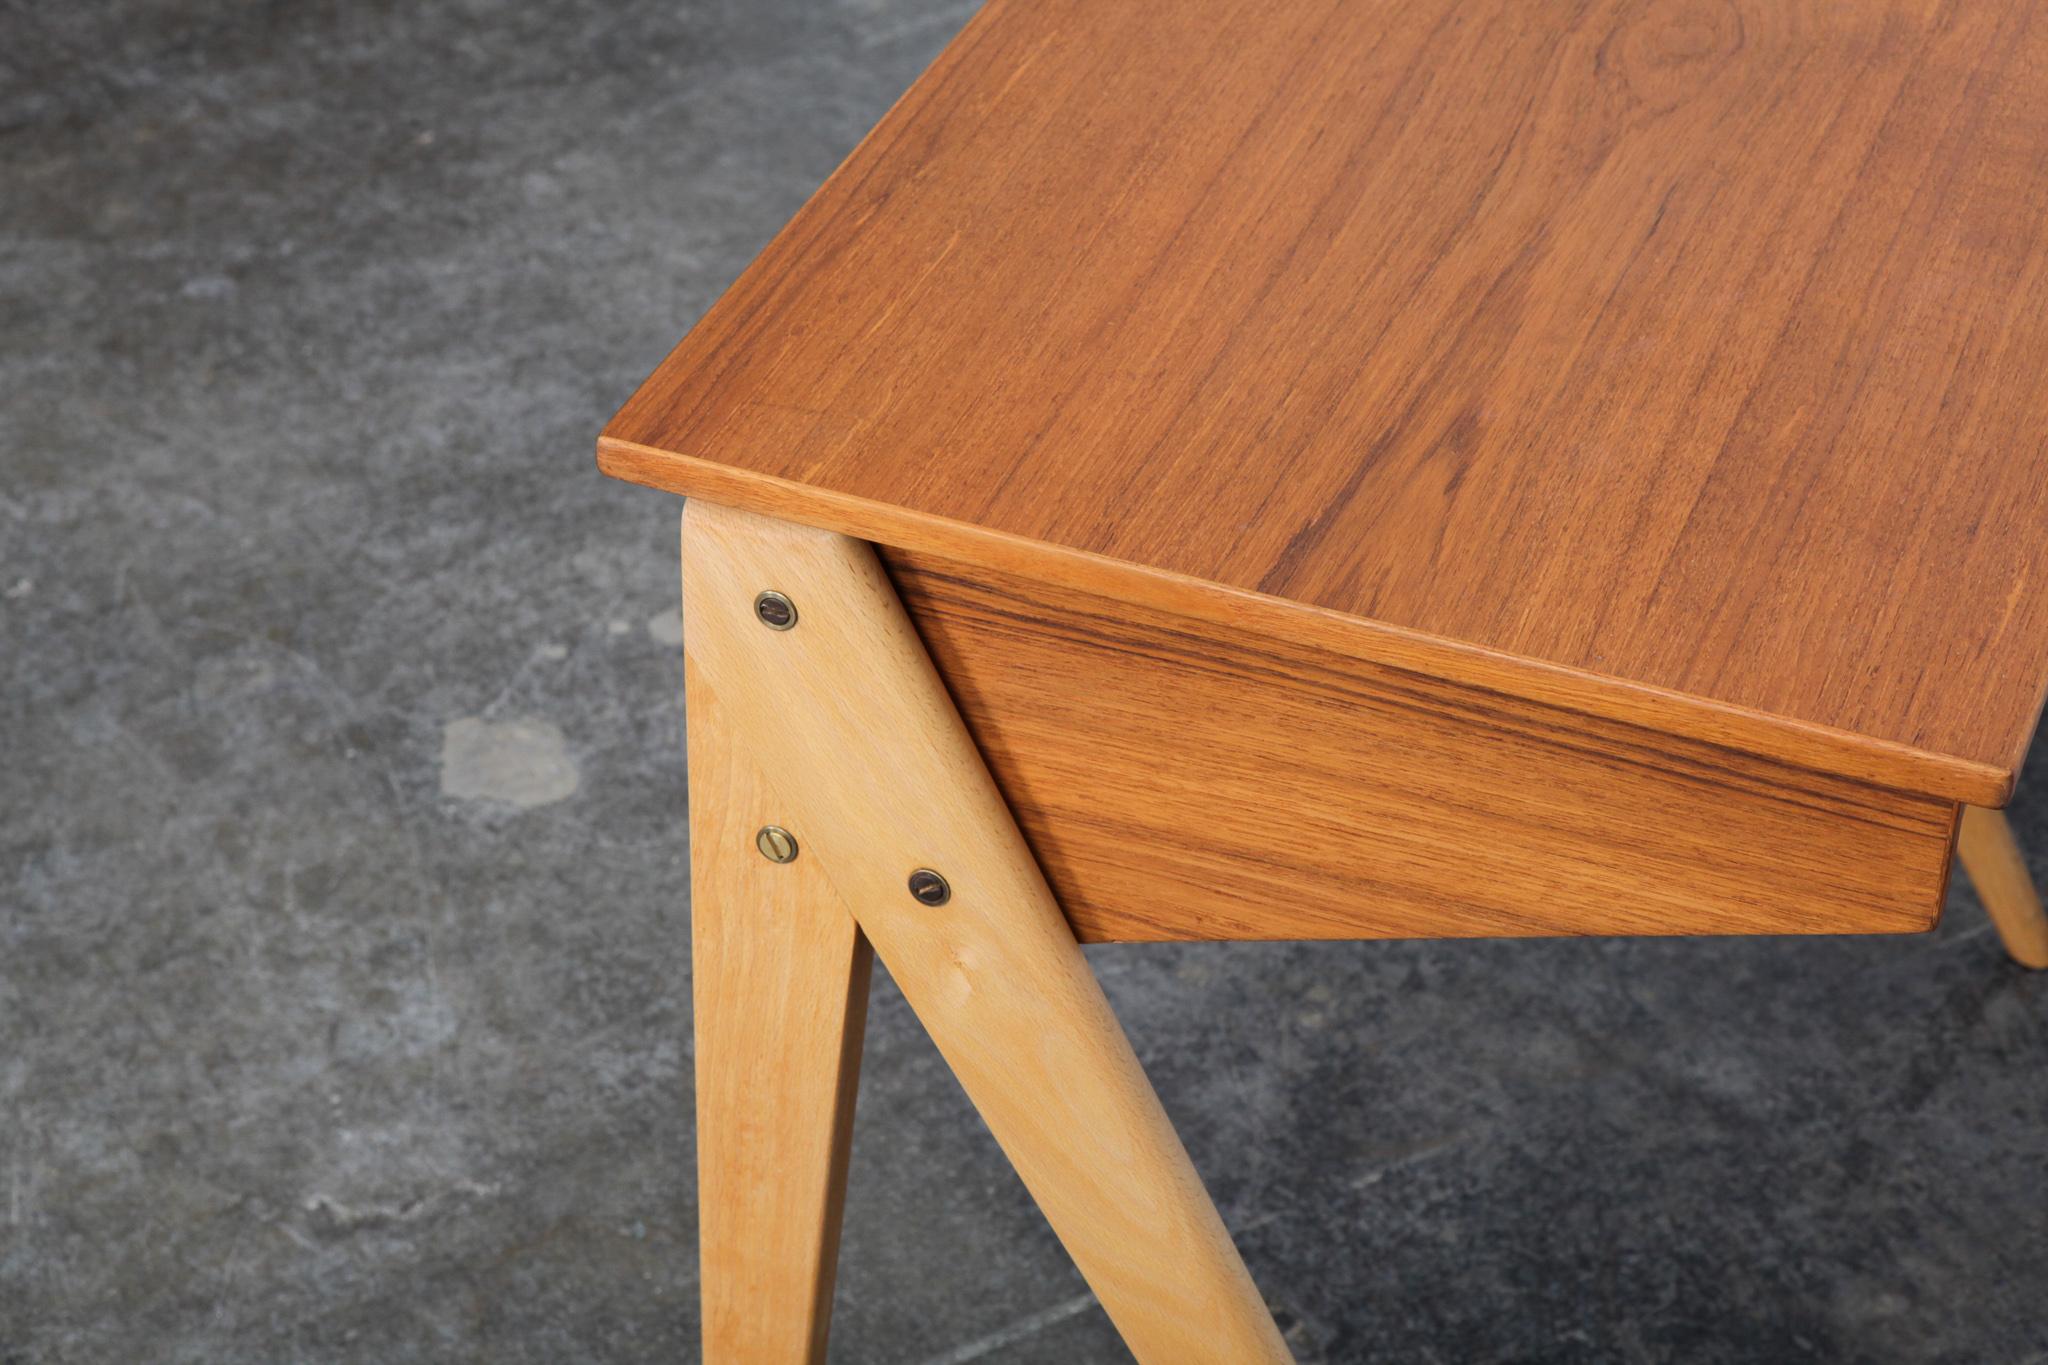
[[929, 887], [774, 610], [777, 844]]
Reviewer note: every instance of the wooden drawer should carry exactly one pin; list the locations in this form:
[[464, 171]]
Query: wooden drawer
[[1181, 780]]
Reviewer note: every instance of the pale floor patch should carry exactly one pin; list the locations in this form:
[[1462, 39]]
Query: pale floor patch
[[524, 762], [666, 627]]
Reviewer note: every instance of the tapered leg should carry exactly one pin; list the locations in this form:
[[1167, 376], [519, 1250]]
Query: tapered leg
[[781, 988], [840, 706], [1998, 870]]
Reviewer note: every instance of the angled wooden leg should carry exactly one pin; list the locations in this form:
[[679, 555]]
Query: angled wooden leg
[[780, 980], [1998, 870], [848, 720]]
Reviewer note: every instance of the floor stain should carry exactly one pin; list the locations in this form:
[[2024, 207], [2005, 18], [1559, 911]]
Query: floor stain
[[524, 762]]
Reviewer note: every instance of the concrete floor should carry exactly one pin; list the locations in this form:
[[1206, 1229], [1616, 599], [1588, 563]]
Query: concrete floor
[[344, 971]]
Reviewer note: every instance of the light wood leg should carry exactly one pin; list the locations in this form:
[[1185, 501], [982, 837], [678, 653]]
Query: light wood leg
[[780, 982], [846, 717], [1998, 870]]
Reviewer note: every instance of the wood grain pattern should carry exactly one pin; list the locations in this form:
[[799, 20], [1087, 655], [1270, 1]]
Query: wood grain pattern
[[851, 725], [1676, 360], [780, 994], [1181, 781], [1998, 869]]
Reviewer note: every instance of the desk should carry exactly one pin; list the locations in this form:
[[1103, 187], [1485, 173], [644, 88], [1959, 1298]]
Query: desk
[[1301, 469]]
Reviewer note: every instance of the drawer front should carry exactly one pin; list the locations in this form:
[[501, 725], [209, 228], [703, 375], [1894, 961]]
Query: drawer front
[[1179, 780]]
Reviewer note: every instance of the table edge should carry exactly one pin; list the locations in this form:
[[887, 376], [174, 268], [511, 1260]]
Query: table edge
[[1806, 744]]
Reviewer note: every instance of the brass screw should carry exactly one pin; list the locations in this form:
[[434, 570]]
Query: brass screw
[[929, 887], [777, 844], [775, 611]]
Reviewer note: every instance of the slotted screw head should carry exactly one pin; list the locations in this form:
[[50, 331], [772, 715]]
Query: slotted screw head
[[777, 844], [775, 611], [929, 887]]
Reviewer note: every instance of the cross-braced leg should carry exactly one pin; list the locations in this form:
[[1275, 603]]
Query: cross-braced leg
[[780, 983], [842, 710], [1998, 870]]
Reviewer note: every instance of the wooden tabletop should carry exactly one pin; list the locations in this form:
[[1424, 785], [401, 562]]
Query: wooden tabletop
[[1681, 363]]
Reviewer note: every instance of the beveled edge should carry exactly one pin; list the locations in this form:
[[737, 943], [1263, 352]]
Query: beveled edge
[[1844, 753]]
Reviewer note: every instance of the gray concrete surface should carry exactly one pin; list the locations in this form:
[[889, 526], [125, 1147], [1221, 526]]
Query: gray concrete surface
[[343, 938]]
